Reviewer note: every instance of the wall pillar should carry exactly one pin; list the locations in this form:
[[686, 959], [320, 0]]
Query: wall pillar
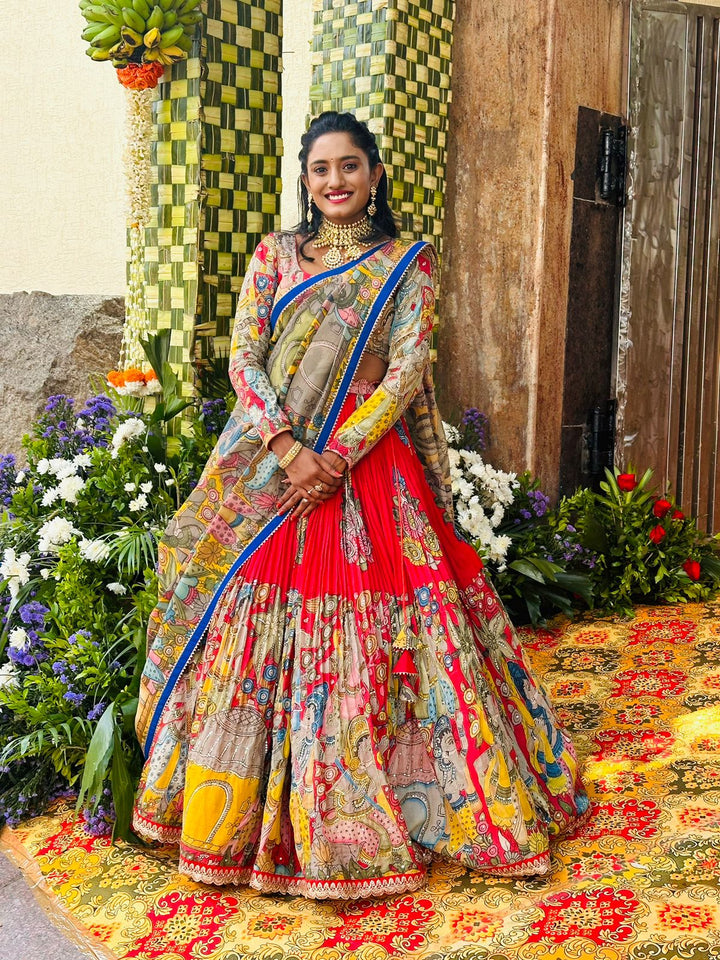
[[216, 176], [520, 72]]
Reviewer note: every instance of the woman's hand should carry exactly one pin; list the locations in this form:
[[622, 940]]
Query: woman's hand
[[311, 478]]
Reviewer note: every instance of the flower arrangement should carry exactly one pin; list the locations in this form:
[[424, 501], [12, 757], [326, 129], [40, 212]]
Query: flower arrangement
[[140, 38], [647, 550], [77, 555]]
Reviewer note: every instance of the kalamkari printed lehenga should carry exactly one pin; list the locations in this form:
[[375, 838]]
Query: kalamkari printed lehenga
[[328, 704]]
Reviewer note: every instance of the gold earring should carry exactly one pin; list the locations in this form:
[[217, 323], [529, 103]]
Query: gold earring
[[372, 206], [310, 210]]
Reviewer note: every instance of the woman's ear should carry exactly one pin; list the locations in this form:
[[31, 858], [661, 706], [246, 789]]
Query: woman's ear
[[376, 175]]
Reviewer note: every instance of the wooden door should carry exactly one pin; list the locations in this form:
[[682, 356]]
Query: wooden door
[[668, 358]]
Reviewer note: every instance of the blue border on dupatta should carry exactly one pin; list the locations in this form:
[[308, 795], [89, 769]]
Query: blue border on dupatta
[[272, 525], [291, 295]]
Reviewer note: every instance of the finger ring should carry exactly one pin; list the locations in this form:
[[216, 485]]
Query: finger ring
[[319, 486], [304, 500]]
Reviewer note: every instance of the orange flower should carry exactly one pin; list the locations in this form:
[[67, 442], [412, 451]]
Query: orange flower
[[140, 76], [133, 375], [150, 375], [116, 378]]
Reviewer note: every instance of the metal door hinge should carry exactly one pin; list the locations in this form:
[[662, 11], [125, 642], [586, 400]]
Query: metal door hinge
[[611, 166]]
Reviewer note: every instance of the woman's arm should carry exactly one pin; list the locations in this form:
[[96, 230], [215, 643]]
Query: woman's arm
[[409, 355], [248, 350]]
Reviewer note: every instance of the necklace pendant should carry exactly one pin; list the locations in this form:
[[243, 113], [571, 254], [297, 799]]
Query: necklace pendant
[[333, 258], [353, 251]]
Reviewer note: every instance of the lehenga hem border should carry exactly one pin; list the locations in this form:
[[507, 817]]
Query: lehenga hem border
[[155, 831], [303, 886]]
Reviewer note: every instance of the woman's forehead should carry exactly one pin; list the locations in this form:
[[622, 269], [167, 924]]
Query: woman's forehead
[[334, 146]]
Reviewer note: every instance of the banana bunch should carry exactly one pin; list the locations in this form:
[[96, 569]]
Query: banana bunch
[[141, 30]]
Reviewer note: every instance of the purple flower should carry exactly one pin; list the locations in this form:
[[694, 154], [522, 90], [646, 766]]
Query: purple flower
[[73, 697], [97, 711], [473, 428], [79, 634], [214, 415], [33, 614]]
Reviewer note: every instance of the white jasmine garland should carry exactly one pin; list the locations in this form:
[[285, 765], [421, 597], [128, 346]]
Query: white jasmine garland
[[94, 550], [54, 533], [117, 588]]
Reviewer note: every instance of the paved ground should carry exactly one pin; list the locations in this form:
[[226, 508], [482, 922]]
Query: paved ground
[[26, 932]]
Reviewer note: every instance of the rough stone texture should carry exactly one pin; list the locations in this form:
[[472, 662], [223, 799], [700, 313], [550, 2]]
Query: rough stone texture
[[51, 344], [521, 69]]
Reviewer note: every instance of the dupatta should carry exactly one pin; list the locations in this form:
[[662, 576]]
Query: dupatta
[[317, 334]]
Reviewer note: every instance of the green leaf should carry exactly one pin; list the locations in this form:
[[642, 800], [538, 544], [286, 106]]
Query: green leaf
[[98, 757], [122, 786], [527, 569]]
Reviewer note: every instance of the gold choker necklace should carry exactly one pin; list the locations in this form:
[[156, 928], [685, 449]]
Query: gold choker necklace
[[345, 240]]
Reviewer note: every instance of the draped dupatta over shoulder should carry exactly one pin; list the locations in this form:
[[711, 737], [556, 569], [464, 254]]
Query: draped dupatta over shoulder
[[292, 361]]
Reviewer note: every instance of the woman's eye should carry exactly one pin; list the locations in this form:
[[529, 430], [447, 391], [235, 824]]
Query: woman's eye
[[351, 166]]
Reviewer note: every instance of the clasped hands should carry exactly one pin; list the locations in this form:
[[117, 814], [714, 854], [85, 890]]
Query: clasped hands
[[311, 477]]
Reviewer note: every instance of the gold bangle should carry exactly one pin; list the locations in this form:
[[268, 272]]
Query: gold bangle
[[290, 455]]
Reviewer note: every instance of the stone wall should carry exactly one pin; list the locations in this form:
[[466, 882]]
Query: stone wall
[[52, 344], [520, 72]]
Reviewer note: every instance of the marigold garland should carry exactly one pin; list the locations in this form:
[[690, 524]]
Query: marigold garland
[[140, 76]]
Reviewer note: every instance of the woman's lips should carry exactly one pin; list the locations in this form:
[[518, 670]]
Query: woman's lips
[[337, 197]]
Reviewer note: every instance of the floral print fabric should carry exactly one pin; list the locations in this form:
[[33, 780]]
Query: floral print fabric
[[295, 757]]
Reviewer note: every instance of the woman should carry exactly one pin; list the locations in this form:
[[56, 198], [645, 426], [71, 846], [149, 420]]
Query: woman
[[333, 694]]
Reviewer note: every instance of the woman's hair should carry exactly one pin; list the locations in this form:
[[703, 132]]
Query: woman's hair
[[334, 122]]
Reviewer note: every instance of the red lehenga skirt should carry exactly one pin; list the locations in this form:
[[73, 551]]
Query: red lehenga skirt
[[361, 705]]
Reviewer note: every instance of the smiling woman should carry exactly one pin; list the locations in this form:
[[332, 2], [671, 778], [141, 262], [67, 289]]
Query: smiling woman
[[333, 693]]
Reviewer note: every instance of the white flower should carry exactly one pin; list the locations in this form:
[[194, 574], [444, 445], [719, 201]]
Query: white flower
[[452, 434], [54, 533], [19, 478], [62, 468], [80, 425], [130, 487], [139, 503], [146, 487], [15, 570], [170, 481], [134, 388], [70, 487], [154, 387], [144, 449], [9, 676], [160, 468], [82, 459], [118, 588], [94, 550], [50, 496], [18, 639], [127, 431], [42, 466], [45, 573]]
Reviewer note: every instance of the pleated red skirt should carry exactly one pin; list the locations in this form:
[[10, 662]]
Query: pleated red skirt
[[361, 704]]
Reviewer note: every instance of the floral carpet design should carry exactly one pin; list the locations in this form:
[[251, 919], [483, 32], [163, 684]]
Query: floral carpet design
[[639, 880]]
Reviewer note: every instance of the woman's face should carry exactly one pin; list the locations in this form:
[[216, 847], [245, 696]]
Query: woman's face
[[339, 177]]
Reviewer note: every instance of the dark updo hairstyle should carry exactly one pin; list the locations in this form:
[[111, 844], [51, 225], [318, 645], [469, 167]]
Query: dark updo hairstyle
[[333, 122]]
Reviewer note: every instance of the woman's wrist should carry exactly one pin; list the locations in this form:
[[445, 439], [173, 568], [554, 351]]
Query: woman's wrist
[[281, 443]]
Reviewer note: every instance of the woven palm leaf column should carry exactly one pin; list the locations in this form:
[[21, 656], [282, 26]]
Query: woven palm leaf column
[[389, 62], [215, 181]]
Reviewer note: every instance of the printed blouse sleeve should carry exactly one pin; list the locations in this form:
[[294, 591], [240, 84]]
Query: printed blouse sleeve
[[251, 336], [409, 355]]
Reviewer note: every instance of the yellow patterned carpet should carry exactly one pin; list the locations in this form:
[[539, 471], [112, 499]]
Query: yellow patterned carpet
[[639, 880]]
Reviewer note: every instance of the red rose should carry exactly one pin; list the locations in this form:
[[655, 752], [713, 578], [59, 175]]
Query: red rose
[[692, 569], [661, 508], [657, 533], [678, 515], [627, 481]]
